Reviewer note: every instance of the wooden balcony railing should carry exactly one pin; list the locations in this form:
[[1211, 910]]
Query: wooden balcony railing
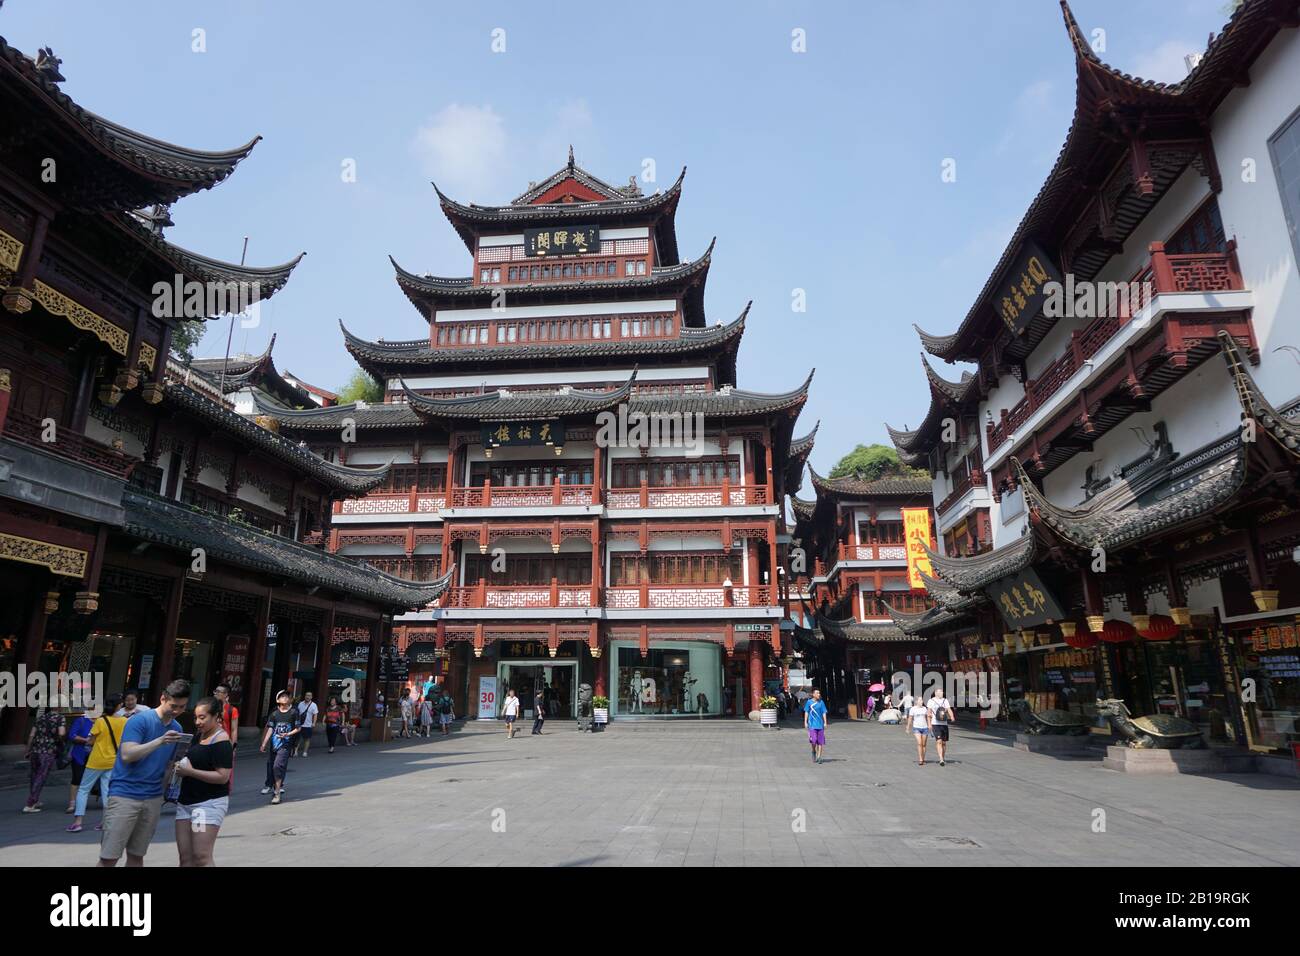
[[393, 502], [689, 596], [557, 331], [687, 496], [971, 480], [1193, 272], [872, 552], [67, 444], [483, 595], [522, 496], [415, 568]]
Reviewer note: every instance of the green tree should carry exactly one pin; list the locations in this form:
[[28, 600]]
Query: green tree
[[870, 462], [186, 337], [361, 388]]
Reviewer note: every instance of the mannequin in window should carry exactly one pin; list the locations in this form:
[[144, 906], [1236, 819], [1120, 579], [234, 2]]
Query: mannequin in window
[[687, 680], [634, 691]]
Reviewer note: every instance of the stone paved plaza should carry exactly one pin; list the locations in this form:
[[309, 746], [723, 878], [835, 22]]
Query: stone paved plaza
[[721, 794]]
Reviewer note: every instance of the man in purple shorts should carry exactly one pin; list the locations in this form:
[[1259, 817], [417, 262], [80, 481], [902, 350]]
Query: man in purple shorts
[[814, 721]]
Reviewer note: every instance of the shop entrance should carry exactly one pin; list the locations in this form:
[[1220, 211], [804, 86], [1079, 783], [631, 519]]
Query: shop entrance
[[1187, 681], [557, 680]]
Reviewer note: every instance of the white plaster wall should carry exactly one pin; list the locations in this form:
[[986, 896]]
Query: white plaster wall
[[401, 455], [361, 550], [1253, 212], [255, 496], [212, 478], [104, 435]]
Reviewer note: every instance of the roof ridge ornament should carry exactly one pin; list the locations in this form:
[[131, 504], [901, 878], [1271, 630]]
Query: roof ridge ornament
[[47, 64]]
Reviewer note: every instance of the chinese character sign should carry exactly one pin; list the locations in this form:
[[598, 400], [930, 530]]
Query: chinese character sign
[[1024, 601], [1020, 296], [562, 241], [916, 529], [505, 434]]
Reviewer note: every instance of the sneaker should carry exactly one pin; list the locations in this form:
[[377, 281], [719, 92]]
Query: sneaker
[[35, 809], [266, 790], [73, 828], [99, 826], [275, 799], [941, 763]]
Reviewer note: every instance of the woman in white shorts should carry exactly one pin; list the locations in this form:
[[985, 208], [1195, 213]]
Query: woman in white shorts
[[205, 786]]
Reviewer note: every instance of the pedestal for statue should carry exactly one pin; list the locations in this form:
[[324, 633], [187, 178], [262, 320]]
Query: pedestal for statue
[[1203, 760], [1052, 743]]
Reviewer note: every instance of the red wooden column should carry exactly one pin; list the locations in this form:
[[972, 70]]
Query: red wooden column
[[251, 698], [597, 478], [755, 671], [772, 577], [767, 464], [372, 669], [165, 654], [16, 719], [601, 665], [597, 564], [5, 394], [323, 649]]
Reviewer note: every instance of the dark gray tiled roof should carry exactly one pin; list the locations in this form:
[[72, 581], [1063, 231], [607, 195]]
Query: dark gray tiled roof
[[151, 170], [977, 572], [427, 289], [851, 486], [864, 632], [266, 280], [419, 353], [350, 481], [1284, 427], [174, 525], [1225, 62], [504, 406], [251, 371], [365, 416]]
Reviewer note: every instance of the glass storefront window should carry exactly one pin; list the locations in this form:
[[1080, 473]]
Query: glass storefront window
[[671, 680], [558, 683], [1270, 656]]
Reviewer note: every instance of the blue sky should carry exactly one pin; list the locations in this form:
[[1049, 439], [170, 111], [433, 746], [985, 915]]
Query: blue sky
[[817, 170]]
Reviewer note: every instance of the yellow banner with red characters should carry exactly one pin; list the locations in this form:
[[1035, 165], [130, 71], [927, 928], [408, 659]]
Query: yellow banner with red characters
[[916, 531]]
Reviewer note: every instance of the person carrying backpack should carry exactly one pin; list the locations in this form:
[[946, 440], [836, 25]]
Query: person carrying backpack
[[446, 712]]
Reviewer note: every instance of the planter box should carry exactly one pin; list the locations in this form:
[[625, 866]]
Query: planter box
[[767, 717]]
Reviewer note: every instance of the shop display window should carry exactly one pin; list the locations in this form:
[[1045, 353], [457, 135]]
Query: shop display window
[[671, 680]]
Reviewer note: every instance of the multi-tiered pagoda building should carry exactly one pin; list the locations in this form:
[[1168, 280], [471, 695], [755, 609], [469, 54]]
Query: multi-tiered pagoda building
[[643, 562]]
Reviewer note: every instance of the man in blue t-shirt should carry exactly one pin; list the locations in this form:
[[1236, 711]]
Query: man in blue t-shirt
[[814, 721], [144, 762]]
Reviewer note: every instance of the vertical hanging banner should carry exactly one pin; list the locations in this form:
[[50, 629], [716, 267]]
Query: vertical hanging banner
[[916, 530]]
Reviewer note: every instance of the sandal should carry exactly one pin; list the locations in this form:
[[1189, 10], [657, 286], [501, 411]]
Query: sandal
[[275, 799]]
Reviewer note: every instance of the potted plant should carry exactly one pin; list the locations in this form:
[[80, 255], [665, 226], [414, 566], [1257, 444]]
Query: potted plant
[[767, 711], [600, 709]]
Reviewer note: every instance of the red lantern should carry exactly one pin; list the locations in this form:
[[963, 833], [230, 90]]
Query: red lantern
[[1081, 639], [1118, 632], [1162, 628]]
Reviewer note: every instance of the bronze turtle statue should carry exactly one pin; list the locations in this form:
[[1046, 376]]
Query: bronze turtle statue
[[1049, 721], [1156, 732]]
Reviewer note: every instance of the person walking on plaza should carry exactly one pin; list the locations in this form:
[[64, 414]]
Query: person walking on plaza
[[229, 714], [814, 721], [43, 746], [307, 711], [131, 704], [105, 735], [918, 724], [350, 726], [205, 786], [510, 710], [79, 737], [281, 729], [539, 710], [407, 712], [446, 712], [940, 714], [335, 719], [426, 716], [143, 765]]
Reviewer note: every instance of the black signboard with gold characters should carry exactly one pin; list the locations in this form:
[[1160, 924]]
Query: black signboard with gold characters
[[562, 241], [1024, 601], [509, 434], [1020, 295]]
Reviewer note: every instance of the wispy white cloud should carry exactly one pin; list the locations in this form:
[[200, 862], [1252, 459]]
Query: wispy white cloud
[[1165, 63], [464, 147], [1031, 107]]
